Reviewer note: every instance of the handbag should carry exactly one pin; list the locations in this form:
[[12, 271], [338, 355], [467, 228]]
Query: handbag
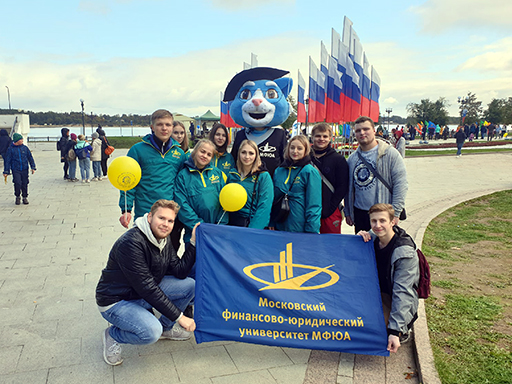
[[237, 220], [403, 214], [281, 206], [109, 150]]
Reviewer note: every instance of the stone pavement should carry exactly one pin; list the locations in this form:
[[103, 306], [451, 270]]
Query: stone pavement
[[52, 252]]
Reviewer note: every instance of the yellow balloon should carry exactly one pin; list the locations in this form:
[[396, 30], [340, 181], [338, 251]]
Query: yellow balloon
[[124, 173], [505, 135], [233, 197]]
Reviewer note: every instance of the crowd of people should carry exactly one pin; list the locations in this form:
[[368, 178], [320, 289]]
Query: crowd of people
[[180, 188], [75, 149]]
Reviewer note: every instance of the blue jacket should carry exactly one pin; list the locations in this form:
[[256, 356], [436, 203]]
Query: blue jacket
[[17, 158], [82, 146], [197, 193], [304, 196], [263, 196], [159, 171]]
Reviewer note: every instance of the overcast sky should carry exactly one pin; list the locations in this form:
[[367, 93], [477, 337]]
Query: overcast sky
[[135, 56]]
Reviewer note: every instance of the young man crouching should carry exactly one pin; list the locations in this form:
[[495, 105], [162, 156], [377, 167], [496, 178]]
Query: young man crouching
[[398, 270]]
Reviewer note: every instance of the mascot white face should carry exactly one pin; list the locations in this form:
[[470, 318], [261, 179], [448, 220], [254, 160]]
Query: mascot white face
[[261, 102]]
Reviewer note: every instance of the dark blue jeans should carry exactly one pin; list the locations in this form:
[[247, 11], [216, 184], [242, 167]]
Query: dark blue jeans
[[459, 148], [20, 180]]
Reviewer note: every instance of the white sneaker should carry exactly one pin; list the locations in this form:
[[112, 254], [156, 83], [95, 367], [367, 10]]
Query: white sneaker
[[100, 178], [87, 181], [111, 349], [177, 333], [94, 178]]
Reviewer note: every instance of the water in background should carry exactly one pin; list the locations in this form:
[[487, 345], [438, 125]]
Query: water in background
[[54, 132]]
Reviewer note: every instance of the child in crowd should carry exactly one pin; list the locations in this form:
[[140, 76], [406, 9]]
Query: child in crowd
[[96, 156], [83, 153], [17, 160]]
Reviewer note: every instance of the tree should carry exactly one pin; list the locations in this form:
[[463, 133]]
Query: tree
[[496, 111], [426, 110], [473, 107], [293, 116]]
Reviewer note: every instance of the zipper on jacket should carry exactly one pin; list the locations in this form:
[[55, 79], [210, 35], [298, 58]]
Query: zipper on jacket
[[289, 174]]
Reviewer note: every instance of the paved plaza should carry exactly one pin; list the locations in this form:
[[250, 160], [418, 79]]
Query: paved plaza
[[53, 250]]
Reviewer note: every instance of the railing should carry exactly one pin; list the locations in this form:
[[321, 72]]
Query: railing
[[43, 139]]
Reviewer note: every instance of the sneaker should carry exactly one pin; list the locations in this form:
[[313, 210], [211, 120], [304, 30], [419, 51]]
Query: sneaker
[[75, 179], [111, 349], [25, 200], [87, 180], [177, 333], [18, 200], [100, 178], [94, 178]]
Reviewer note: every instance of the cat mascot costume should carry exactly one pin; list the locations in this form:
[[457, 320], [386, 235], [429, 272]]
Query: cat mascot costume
[[258, 103]]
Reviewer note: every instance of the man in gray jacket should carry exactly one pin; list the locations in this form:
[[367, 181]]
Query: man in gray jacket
[[398, 270], [365, 189]]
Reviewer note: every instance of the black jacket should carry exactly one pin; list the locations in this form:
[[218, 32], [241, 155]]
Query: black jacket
[[335, 169], [136, 267], [5, 141], [62, 144]]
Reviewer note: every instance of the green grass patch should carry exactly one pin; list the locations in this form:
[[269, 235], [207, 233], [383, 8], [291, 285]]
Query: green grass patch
[[120, 142], [468, 312], [447, 152]]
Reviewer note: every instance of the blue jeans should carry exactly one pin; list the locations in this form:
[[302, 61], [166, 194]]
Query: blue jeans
[[85, 168], [72, 169], [96, 168], [133, 323], [459, 148]]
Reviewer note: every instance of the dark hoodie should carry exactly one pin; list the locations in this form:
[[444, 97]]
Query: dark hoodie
[[62, 144], [334, 167], [5, 141], [104, 142]]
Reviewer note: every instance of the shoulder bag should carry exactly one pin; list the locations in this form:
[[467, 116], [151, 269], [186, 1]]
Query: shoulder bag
[[281, 206], [403, 214]]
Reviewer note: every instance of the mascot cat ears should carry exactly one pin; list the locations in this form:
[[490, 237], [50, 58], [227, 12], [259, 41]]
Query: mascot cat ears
[[258, 73]]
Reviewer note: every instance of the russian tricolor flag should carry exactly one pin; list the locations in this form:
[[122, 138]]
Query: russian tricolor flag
[[301, 107], [374, 96], [365, 88], [225, 117], [334, 90], [316, 111]]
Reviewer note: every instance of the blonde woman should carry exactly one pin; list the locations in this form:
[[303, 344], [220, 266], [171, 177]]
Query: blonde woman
[[252, 174], [180, 135]]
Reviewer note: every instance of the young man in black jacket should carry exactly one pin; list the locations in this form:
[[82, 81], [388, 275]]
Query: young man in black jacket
[[333, 169], [143, 272]]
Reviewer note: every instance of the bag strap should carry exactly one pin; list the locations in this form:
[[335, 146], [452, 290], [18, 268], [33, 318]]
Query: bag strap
[[324, 179], [374, 171], [253, 195]]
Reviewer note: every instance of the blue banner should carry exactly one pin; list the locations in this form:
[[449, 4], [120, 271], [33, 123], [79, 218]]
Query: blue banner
[[288, 289]]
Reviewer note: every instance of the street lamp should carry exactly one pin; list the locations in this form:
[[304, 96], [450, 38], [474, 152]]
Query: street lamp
[[8, 96], [388, 111], [463, 101], [83, 118]]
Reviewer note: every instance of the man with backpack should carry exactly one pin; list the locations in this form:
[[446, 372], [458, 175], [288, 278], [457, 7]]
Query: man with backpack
[[399, 272]]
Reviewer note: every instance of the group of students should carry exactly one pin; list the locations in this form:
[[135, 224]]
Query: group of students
[[73, 148], [143, 270]]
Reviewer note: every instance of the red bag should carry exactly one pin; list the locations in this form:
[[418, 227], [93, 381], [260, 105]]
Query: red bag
[[423, 288]]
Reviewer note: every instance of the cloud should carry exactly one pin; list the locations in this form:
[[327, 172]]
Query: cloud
[[236, 5], [94, 7], [189, 84], [440, 15], [497, 58]]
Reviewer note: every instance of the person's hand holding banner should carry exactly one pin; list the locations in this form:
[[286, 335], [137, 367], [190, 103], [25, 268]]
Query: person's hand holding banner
[[124, 173]]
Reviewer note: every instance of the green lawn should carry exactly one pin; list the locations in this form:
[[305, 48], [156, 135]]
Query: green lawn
[[470, 311]]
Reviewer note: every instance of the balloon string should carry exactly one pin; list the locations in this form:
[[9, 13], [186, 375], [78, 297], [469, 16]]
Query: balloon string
[[223, 213], [125, 207]]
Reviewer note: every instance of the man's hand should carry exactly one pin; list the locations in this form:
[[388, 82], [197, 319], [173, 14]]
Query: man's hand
[[187, 323], [349, 221], [365, 235], [393, 343], [125, 219], [33, 171], [193, 236]]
